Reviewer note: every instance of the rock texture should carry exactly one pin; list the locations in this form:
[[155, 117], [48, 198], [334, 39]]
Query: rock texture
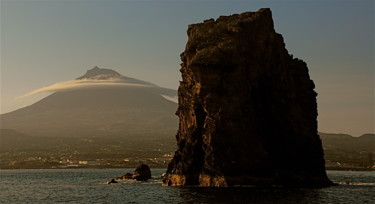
[[247, 109], [141, 173]]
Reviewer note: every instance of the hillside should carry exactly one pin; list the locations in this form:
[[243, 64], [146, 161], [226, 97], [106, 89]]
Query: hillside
[[346, 151], [18, 150]]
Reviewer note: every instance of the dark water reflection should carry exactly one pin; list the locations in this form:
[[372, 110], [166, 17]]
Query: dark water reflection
[[90, 186], [353, 187], [248, 195]]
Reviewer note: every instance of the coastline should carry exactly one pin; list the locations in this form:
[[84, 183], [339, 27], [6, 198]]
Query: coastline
[[165, 167]]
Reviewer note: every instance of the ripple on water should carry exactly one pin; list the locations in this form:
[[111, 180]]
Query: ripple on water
[[90, 186]]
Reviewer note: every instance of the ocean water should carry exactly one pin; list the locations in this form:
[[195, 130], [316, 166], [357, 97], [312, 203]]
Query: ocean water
[[90, 186]]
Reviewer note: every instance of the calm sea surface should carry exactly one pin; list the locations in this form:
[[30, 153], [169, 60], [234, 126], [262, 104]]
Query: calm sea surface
[[90, 186]]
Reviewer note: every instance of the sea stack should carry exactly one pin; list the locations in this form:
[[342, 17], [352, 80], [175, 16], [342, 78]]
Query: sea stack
[[247, 109]]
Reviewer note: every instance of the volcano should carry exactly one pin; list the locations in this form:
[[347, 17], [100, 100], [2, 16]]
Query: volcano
[[102, 102]]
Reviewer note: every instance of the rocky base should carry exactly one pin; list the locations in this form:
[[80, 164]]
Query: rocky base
[[212, 181]]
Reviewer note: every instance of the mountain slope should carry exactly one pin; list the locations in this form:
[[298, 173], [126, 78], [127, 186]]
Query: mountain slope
[[125, 106], [345, 151]]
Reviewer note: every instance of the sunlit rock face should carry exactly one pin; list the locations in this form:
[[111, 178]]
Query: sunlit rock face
[[247, 109]]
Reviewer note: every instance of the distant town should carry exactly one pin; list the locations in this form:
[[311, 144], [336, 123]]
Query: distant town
[[23, 161], [29, 152]]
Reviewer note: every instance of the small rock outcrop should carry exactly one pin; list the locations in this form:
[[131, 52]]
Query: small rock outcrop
[[141, 173], [247, 109], [126, 176], [112, 181]]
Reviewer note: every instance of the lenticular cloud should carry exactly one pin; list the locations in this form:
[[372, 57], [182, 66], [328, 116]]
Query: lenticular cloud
[[81, 83]]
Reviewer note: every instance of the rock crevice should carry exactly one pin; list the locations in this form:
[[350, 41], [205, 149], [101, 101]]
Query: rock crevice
[[247, 109]]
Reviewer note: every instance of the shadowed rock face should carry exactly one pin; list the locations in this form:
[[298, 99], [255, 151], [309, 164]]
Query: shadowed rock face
[[247, 109]]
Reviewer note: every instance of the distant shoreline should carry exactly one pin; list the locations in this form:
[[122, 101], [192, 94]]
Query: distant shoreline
[[349, 169], [129, 167]]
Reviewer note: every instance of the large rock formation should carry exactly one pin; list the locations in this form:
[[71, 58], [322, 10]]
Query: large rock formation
[[247, 109]]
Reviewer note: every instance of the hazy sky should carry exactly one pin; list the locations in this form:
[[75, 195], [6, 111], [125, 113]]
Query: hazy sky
[[45, 42]]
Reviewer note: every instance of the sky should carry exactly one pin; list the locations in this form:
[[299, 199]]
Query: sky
[[46, 42]]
